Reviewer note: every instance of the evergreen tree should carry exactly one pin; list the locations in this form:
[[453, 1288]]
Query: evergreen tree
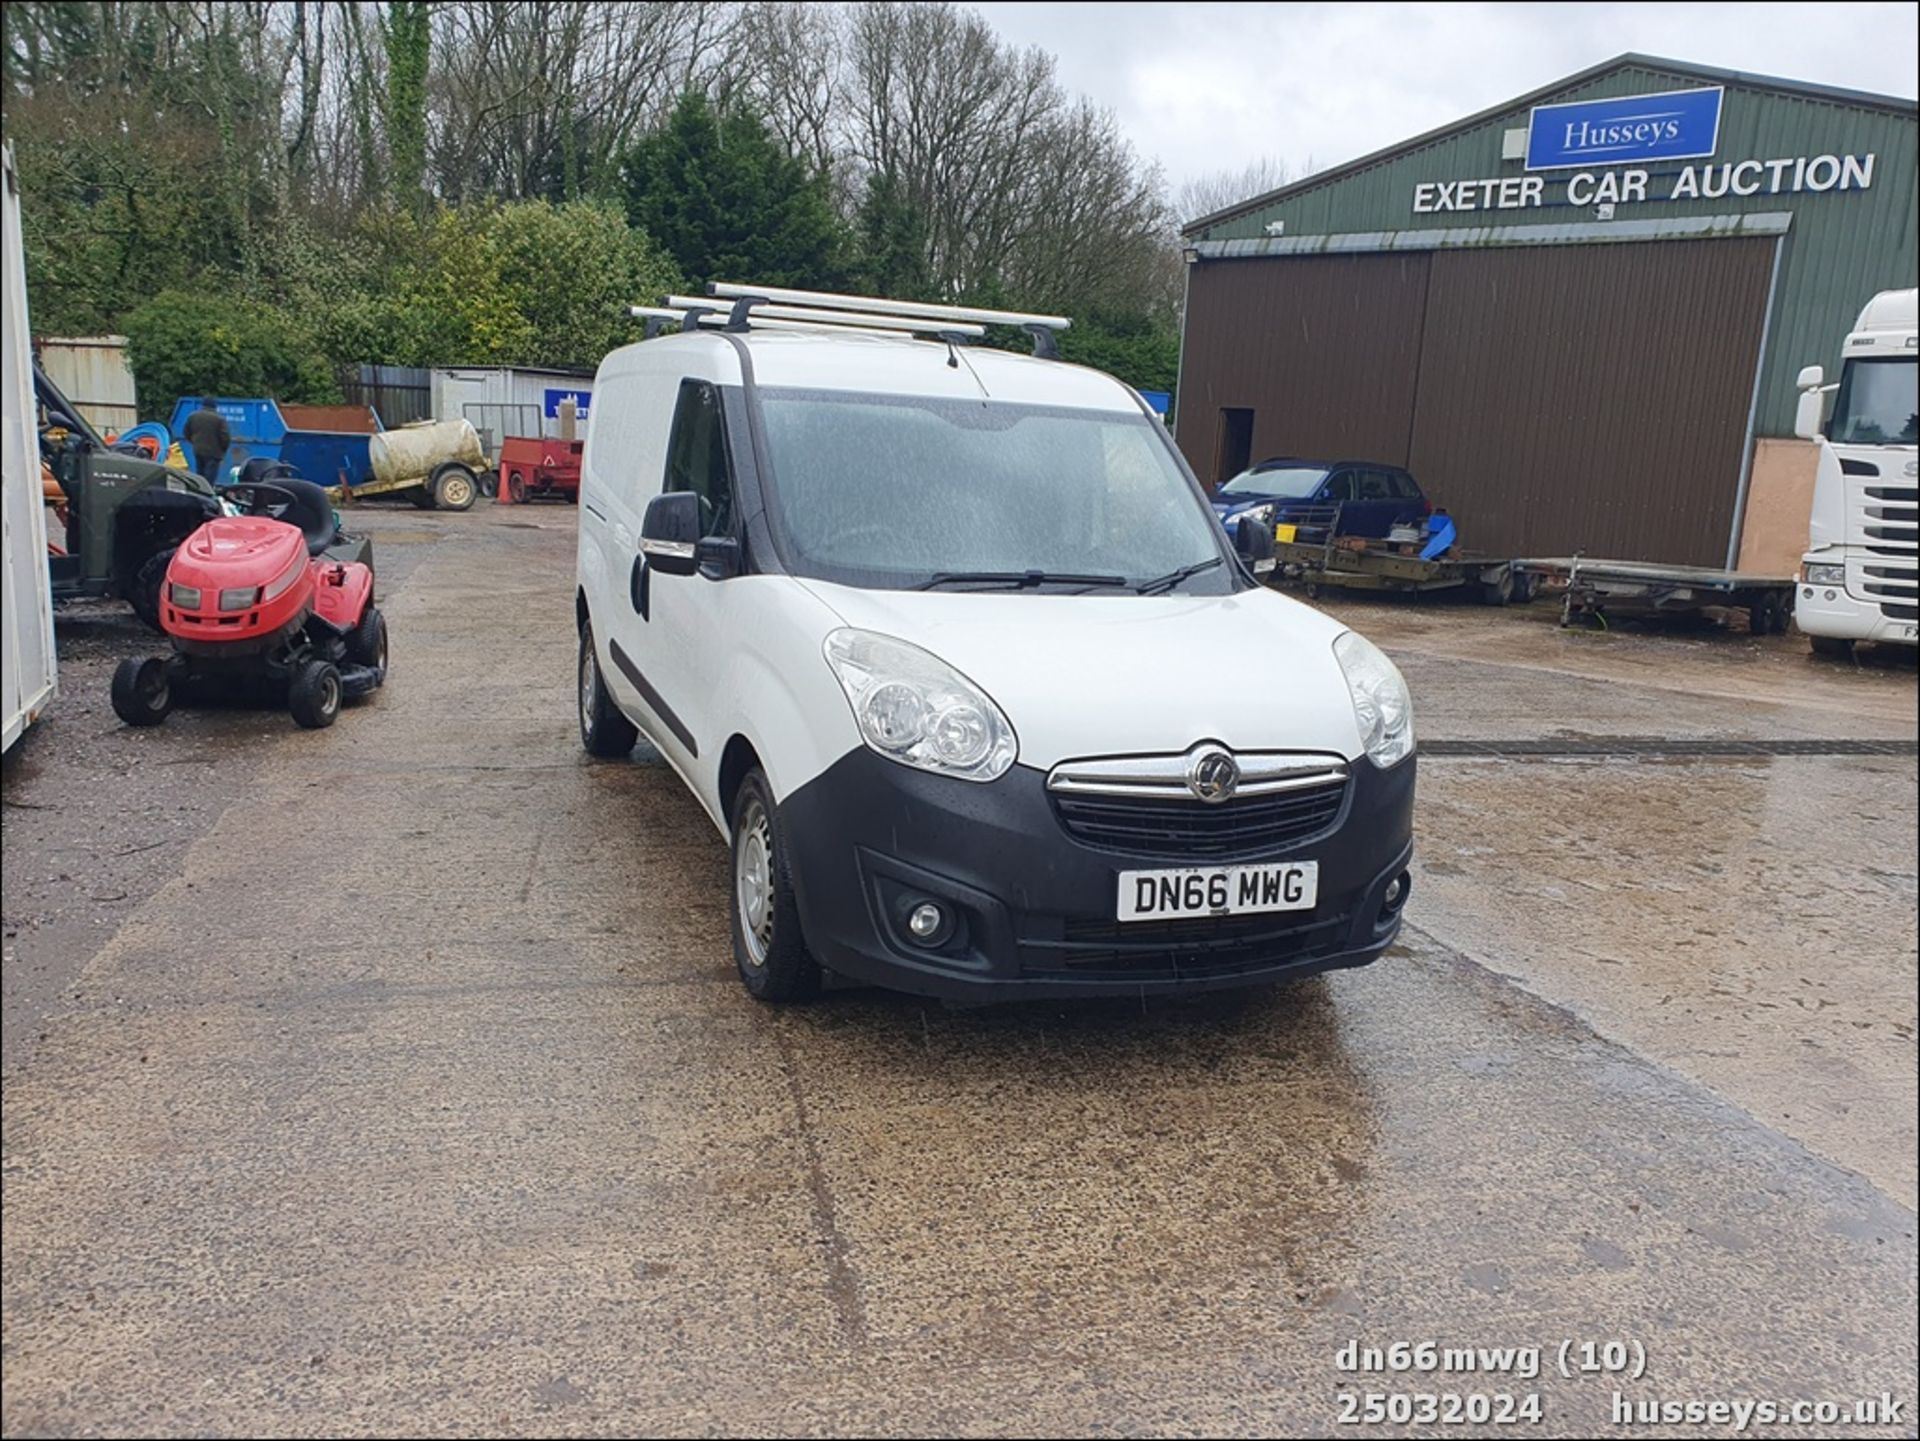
[[727, 202], [893, 242]]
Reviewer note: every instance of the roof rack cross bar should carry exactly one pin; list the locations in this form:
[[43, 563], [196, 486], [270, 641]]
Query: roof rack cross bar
[[836, 319], [876, 305]]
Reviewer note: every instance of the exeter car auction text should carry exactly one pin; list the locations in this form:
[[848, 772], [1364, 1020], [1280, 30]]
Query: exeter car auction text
[[1691, 182]]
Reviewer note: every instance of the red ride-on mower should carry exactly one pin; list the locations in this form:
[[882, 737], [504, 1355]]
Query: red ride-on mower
[[274, 601]]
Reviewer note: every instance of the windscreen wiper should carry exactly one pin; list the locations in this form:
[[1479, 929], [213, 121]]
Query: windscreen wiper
[[1174, 577], [1015, 579]]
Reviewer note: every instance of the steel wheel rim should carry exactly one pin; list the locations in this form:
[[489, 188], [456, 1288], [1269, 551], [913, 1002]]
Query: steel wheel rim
[[753, 881], [589, 681], [458, 489]]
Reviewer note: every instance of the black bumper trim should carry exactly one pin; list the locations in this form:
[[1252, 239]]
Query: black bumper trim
[[869, 838]]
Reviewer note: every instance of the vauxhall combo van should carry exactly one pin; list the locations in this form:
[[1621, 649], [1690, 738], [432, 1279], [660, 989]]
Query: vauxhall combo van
[[951, 647]]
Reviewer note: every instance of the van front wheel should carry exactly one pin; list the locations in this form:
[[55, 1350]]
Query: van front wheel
[[768, 949]]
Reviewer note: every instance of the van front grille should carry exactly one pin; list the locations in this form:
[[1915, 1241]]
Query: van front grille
[[1181, 828]]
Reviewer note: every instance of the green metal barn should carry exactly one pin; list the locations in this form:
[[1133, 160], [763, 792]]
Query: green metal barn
[[1577, 317]]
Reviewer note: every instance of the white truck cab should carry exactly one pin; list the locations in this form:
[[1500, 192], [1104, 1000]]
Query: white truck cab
[[949, 645], [1860, 577]]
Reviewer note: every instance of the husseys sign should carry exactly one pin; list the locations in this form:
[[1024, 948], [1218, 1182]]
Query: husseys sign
[[1629, 134]]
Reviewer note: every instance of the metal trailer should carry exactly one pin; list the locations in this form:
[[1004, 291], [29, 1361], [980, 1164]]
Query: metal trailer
[[28, 667], [1596, 589], [1309, 551]]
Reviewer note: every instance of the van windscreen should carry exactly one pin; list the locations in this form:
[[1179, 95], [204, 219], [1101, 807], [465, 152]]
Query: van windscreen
[[893, 491]]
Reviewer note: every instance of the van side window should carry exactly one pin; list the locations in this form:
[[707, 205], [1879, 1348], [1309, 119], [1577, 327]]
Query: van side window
[[697, 455]]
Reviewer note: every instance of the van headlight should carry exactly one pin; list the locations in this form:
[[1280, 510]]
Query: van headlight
[[914, 708], [1381, 704]]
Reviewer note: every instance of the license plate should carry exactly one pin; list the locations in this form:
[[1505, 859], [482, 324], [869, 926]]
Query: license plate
[[1218, 890], [1912, 632]]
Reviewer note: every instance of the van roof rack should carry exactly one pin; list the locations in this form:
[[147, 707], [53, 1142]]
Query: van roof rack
[[660, 318], [825, 307]]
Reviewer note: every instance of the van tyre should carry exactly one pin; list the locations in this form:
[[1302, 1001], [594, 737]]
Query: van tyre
[[148, 583], [603, 730], [142, 691], [454, 487], [768, 949], [367, 642], [315, 694]]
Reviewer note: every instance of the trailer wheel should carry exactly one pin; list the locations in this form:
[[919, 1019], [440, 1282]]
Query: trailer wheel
[[489, 483], [1498, 591], [1525, 587], [517, 487], [142, 691], [454, 486], [315, 694]]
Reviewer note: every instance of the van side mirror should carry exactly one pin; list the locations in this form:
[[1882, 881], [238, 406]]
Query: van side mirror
[[670, 533], [1810, 412], [1253, 539]]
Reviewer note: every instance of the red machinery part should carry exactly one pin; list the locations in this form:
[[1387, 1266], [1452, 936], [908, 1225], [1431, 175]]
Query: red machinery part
[[545, 465]]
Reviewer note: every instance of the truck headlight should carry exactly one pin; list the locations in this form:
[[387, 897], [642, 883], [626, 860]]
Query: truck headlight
[[914, 708], [1381, 704], [1826, 574]]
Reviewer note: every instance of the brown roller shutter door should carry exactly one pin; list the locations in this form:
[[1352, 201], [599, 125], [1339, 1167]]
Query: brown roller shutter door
[[1554, 398], [1591, 397], [1323, 350]]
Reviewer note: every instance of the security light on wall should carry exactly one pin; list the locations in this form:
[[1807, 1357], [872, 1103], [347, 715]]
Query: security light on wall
[[1513, 144], [1276, 227]]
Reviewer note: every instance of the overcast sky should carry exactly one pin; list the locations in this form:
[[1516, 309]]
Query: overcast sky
[[1204, 87]]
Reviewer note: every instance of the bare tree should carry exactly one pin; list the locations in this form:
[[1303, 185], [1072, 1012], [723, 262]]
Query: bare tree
[[1204, 194]]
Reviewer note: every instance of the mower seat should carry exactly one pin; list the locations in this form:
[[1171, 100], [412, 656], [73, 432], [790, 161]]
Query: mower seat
[[306, 507]]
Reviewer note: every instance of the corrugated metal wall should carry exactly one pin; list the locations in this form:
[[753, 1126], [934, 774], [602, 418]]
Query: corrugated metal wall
[[1324, 350], [1628, 443], [1843, 247], [91, 371], [1554, 398]]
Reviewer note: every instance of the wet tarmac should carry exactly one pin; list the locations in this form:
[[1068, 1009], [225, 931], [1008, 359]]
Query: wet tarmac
[[407, 1087]]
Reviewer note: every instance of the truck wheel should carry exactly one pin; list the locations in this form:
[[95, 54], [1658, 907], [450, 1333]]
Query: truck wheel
[[142, 691], [603, 730], [454, 487], [1833, 647], [367, 643], [422, 496], [148, 583], [314, 695], [768, 949]]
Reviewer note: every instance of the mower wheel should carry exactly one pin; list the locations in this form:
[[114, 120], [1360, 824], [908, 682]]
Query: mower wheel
[[517, 487], [315, 694], [454, 487], [367, 642], [148, 582], [603, 730], [142, 691]]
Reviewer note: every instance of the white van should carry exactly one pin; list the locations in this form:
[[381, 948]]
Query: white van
[[950, 646]]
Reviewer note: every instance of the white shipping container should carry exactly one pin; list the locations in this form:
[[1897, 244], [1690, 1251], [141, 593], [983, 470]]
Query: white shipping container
[[502, 401], [28, 655], [91, 371]]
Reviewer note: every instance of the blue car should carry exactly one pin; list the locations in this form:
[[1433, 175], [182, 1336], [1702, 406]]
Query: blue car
[[1368, 499]]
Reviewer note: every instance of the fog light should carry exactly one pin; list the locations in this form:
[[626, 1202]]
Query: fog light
[[1807, 592], [927, 923], [1830, 595], [1394, 897]]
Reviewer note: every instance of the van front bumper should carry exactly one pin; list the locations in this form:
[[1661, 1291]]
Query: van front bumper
[[1034, 906]]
